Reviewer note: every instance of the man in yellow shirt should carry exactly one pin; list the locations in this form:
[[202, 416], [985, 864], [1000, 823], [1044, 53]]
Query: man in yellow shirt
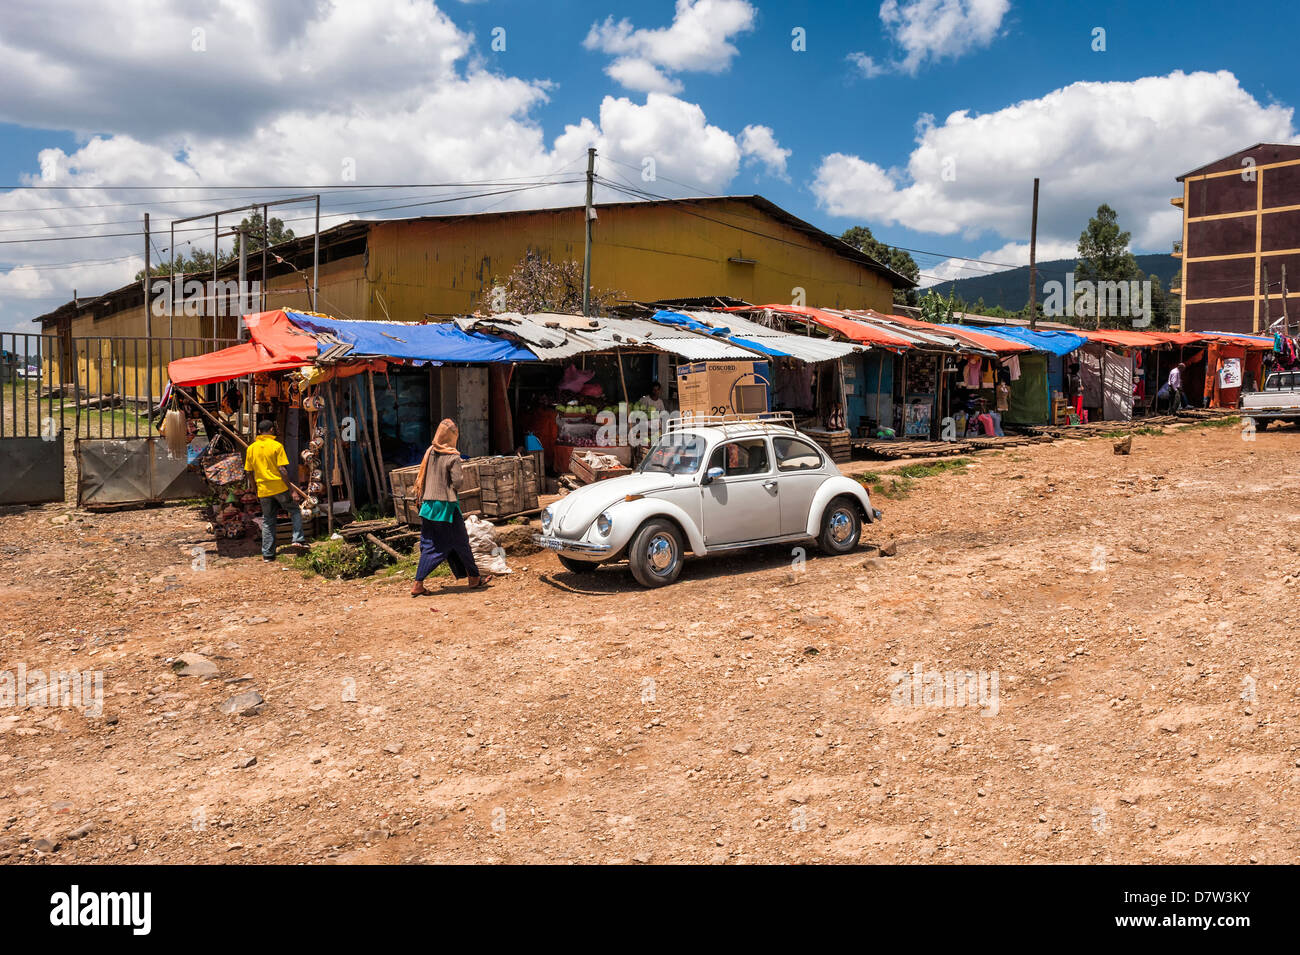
[[268, 471]]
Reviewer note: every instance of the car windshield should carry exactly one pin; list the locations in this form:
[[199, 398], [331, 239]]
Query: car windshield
[[675, 454]]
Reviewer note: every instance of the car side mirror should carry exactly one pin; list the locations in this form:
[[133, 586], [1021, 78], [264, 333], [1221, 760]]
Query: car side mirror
[[712, 474]]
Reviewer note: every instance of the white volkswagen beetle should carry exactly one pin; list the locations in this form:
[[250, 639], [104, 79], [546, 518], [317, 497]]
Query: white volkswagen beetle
[[706, 489]]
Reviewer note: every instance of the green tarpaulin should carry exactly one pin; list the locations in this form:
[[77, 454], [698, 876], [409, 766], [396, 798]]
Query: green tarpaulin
[[1028, 401]]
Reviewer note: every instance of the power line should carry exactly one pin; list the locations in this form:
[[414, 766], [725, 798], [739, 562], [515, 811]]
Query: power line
[[411, 205], [517, 180]]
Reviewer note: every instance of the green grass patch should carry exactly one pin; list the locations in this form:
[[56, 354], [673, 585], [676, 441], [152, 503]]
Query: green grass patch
[[1230, 422], [407, 565], [1146, 429], [337, 559], [899, 483]]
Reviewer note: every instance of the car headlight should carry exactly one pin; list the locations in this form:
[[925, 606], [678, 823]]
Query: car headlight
[[604, 524], [546, 519]]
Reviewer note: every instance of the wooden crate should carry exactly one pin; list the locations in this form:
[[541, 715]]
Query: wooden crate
[[493, 486], [507, 485], [838, 444], [406, 504], [588, 475]]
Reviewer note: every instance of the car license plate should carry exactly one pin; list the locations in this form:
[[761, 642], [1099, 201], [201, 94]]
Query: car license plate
[[550, 543]]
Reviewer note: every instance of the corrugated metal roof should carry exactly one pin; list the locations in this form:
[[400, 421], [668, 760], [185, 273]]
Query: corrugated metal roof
[[698, 348], [552, 336], [802, 347]]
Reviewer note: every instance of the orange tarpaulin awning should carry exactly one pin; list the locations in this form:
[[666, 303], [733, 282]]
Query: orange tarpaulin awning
[[277, 345], [1121, 337], [853, 330]]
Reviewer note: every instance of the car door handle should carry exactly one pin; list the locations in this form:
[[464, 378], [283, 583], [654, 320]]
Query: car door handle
[[769, 484]]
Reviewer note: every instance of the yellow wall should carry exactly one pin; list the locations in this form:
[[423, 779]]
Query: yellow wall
[[112, 351], [646, 252], [447, 267]]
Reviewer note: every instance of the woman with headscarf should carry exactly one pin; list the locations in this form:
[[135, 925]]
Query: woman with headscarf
[[442, 526]]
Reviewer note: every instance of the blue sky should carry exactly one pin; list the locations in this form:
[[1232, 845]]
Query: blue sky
[[924, 119]]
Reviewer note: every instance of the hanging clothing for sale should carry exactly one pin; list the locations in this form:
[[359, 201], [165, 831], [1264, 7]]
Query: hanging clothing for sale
[[987, 380], [1012, 365], [972, 373], [1004, 396]]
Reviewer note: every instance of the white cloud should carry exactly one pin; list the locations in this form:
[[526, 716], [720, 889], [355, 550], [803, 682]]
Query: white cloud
[[151, 69], [671, 132], [301, 98], [1122, 143], [699, 40], [930, 30], [638, 74], [759, 143], [867, 66]]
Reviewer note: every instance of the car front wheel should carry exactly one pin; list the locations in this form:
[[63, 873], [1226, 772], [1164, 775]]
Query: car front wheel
[[656, 554], [841, 527]]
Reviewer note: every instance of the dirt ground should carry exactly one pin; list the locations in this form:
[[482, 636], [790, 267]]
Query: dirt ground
[[1136, 612]]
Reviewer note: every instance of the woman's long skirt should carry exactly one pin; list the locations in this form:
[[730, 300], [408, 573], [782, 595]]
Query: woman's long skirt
[[449, 541]]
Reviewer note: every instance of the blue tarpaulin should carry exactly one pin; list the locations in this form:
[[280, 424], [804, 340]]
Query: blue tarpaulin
[[442, 342], [1044, 340], [664, 317]]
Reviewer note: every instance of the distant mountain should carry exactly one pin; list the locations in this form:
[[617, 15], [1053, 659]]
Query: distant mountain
[[1010, 289]]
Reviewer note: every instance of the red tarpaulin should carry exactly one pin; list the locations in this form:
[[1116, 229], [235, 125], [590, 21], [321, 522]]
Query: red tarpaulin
[[277, 345]]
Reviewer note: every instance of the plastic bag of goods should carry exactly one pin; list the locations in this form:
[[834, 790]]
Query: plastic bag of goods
[[489, 555]]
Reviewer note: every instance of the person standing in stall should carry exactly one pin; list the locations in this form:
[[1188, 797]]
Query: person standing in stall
[[268, 473], [1173, 389], [1074, 388], [443, 536]]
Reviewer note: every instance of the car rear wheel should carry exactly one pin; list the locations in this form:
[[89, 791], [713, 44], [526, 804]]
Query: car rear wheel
[[655, 554], [841, 527], [575, 566]]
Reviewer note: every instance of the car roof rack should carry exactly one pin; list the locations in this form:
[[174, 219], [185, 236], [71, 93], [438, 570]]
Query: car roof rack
[[762, 419]]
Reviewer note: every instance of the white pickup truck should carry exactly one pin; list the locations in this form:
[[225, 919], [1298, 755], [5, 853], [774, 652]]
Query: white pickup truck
[[1278, 400]]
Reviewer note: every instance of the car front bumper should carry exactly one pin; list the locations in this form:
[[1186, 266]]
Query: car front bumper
[[562, 545]]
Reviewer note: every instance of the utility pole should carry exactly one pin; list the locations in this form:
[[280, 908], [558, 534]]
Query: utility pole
[[148, 328], [216, 258], [266, 240], [588, 214], [245, 300], [1033, 262], [1268, 310], [1286, 320]]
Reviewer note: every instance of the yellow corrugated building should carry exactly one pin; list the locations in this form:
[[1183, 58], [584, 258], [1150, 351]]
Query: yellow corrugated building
[[742, 247]]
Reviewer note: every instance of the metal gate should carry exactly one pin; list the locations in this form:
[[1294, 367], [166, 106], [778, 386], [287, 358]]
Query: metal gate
[[132, 471], [103, 392], [31, 420], [121, 459]]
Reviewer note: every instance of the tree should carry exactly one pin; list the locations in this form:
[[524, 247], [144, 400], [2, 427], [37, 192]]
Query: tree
[[201, 260], [1104, 256], [935, 308], [252, 225], [860, 238], [537, 284], [1164, 307], [1103, 250]]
